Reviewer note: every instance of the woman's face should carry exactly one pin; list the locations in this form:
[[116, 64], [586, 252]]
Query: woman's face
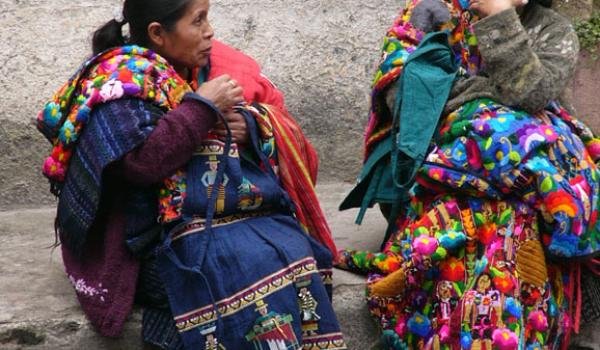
[[188, 43]]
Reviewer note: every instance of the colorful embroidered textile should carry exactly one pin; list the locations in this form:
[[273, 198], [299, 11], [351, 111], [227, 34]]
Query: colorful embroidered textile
[[477, 260], [540, 160], [125, 72], [298, 174], [474, 277], [400, 42], [116, 74], [469, 255], [129, 71], [281, 300], [297, 158]]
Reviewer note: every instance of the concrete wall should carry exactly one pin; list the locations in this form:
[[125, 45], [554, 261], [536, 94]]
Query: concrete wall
[[321, 53], [586, 83]]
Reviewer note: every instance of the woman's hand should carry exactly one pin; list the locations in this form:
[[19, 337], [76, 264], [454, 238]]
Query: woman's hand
[[222, 91], [237, 125], [491, 7]]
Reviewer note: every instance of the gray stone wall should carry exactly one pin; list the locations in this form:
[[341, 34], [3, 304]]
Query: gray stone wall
[[321, 53], [586, 82], [575, 9]]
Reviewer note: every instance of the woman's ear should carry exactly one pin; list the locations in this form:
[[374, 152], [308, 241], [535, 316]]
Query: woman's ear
[[156, 34]]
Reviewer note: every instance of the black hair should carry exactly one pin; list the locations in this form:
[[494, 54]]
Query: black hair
[[545, 3], [531, 5], [138, 14]]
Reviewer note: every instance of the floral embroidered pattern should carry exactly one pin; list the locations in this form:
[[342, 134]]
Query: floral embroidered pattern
[[82, 288], [501, 190], [126, 71]]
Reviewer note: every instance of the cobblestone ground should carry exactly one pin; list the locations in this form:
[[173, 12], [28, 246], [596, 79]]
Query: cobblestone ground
[[38, 309]]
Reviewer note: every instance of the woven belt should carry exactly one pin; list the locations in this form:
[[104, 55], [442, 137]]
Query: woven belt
[[199, 224]]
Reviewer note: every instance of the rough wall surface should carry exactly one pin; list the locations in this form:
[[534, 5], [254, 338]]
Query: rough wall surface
[[575, 9], [586, 83], [321, 53]]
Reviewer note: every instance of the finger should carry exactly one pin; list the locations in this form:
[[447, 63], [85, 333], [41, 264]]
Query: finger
[[237, 125], [234, 118], [235, 139], [237, 91], [222, 78], [223, 130], [237, 97], [219, 132], [228, 114], [232, 121]]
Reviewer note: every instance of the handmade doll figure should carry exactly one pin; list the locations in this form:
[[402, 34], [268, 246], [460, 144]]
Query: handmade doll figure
[[481, 311]]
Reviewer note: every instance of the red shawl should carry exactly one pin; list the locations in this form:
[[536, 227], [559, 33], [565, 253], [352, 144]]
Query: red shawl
[[298, 161]]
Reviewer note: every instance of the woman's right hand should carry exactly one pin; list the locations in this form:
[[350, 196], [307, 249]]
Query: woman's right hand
[[222, 91]]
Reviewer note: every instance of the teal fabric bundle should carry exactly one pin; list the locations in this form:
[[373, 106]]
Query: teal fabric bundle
[[423, 89]]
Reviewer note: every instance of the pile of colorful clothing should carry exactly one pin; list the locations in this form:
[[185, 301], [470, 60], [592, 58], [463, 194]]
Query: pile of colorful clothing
[[489, 248]]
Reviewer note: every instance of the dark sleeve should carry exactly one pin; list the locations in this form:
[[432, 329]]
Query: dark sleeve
[[171, 143], [527, 71]]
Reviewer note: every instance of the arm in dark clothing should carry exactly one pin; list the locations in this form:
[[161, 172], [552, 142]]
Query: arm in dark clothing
[[528, 61], [170, 145], [527, 68]]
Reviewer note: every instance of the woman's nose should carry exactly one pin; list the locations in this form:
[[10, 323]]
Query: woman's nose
[[209, 32]]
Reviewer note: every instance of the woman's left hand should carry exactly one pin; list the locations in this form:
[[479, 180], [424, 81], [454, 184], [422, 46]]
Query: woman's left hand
[[237, 125], [491, 7]]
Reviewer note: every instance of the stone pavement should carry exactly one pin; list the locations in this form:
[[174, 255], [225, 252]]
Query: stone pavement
[[38, 308]]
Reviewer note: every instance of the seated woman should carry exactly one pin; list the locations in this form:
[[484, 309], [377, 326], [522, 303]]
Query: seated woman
[[487, 247], [183, 184]]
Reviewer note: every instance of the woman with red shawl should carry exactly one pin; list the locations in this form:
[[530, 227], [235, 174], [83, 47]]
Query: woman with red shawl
[[183, 184]]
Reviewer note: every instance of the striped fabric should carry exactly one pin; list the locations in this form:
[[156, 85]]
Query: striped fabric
[[297, 158], [298, 165], [159, 329], [80, 197]]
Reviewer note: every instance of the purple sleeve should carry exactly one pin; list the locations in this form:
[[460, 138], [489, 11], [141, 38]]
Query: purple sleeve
[[170, 145]]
